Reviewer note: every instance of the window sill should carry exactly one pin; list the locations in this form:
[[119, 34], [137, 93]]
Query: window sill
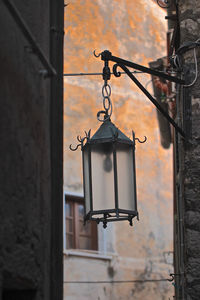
[[88, 254]]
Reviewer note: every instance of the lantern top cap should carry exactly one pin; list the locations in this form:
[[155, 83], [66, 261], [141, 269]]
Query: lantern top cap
[[108, 132]]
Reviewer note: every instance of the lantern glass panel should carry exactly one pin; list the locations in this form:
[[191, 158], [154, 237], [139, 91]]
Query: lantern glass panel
[[102, 176], [125, 177], [86, 166]]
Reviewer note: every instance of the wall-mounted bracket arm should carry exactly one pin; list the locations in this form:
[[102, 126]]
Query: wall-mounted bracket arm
[[123, 64], [107, 56]]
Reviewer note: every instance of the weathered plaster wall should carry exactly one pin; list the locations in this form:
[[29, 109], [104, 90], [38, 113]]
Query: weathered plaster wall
[[25, 177], [133, 30], [114, 268], [189, 12]]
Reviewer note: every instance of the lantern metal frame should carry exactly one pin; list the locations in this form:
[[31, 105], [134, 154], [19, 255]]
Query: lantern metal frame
[[116, 138], [108, 133]]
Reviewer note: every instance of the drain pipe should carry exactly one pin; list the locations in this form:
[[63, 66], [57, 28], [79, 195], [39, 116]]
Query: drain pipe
[[172, 17]]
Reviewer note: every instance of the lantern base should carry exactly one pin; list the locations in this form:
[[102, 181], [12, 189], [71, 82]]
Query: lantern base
[[112, 215]]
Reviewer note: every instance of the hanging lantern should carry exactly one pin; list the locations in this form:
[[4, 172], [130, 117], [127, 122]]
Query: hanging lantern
[[109, 176]]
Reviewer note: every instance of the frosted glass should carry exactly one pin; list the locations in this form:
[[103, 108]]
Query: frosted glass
[[86, 180], [102, 177], [126, 186]]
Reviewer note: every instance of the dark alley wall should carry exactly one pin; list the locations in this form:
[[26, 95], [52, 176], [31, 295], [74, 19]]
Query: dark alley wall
[[188, 162], [29, 259]]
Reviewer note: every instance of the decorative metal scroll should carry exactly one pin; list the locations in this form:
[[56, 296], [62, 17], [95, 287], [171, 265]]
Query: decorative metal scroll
[[81, 140], [115, 72], [141, 142], [97, 55]]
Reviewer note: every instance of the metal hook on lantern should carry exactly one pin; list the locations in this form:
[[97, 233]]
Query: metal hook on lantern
[[137, 139], [141, 142], [77, 146], [81, 140]]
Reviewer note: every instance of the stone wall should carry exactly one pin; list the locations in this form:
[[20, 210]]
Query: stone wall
[[26, 163], [189, 153]]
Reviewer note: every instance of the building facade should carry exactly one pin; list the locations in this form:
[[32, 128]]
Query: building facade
[[123, 262]]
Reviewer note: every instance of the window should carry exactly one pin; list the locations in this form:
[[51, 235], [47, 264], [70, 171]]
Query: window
[[78, 235]]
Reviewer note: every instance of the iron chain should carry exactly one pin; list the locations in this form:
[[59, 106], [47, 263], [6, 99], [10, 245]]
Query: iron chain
[[107, 104]]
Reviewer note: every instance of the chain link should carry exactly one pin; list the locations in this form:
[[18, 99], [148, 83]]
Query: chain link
[[107, 104]]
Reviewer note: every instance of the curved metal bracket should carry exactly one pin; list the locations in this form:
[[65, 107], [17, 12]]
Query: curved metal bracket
[[115, 72], [125, 64], [154, 101]]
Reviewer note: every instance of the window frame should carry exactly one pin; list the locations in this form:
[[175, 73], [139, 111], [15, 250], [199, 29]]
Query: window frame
[[75, 200]]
